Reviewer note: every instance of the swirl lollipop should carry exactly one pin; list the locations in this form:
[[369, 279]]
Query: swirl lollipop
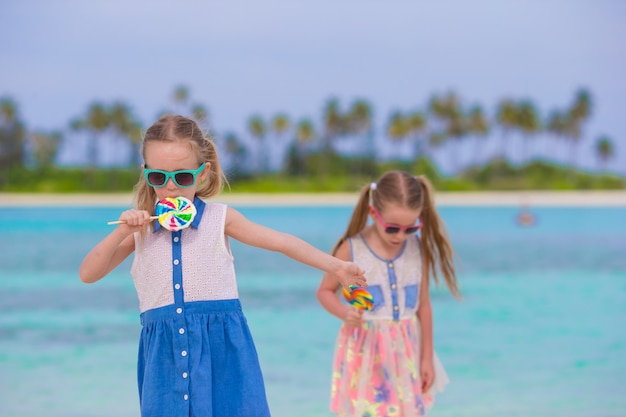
[[174, 214], [359, 297]]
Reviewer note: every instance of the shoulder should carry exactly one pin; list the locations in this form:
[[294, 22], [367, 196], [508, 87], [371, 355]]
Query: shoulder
[[215, 206], [234, 220], [344, 251], [215, 209]]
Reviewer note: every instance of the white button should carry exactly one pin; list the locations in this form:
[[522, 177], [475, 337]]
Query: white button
[[181, 330], [183, 353], [176, 239], [177, 286], [395, 307], [393, 286], [186, 397], [176, 262], [390, 265], [179, 310], [184, 374]]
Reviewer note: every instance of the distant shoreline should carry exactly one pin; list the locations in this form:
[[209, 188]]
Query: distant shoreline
[[487, 198]]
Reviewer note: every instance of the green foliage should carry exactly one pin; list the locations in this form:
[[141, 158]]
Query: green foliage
[[343, 175], [66, 180], [538, 175]]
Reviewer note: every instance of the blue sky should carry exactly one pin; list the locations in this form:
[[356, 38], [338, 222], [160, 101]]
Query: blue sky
[[244, 57]]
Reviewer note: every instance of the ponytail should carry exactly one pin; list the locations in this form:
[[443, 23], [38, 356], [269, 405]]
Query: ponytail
[[436, 247], [145, 198], [215, 179], [358, 221]]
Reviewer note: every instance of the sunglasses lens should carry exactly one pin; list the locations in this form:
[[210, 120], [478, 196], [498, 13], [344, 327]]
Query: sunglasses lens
[[411, 230], [185, 179], [156, 179], [392, 230]]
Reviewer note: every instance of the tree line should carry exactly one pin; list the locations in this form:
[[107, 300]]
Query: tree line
[[310, 147]]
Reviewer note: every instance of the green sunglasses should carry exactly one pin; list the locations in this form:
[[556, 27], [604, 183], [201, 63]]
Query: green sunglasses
[[184, 178]]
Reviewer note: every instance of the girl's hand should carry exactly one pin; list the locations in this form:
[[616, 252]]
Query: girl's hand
[[353, 317], [134, 220], [351, 275], [427, 373]]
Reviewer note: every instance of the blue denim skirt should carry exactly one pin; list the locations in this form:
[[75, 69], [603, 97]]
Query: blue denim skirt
[[198, 360]]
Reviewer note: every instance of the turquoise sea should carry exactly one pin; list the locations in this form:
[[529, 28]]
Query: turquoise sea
[[541, 330]]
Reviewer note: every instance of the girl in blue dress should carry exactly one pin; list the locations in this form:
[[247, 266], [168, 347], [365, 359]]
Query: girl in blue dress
[[196, 355]]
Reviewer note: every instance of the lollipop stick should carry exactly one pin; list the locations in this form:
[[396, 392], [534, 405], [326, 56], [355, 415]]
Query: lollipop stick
[[124, 221]]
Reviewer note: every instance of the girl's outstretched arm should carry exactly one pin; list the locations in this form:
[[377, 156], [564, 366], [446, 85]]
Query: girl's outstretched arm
[[114, 248], [253, 234], [327, 293]]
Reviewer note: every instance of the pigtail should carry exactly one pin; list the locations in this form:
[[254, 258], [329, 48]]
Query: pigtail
[[144, 196], [358, 221], [436, 245]]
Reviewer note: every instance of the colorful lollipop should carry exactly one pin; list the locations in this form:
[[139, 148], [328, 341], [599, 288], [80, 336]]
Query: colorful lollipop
[[359, 297], [173, 213]]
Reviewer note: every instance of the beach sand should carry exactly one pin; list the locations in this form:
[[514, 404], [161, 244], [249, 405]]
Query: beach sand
[[505, 198]]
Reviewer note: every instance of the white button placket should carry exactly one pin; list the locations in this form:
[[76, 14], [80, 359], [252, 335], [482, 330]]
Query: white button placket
[[393, 282], [181, 341]]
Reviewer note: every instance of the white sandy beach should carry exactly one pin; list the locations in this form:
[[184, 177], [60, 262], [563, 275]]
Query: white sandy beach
[[506, 198]]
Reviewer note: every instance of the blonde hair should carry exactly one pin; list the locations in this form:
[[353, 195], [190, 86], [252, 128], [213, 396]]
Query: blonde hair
[[175, 128], [416, 193]]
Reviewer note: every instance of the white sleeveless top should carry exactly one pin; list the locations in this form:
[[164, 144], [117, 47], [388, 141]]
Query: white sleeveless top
[[203, 258], [393, 283]]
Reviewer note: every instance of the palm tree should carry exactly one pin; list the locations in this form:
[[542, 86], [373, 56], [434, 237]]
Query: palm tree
[[557, 124], [451, 120], [334, 125], [398, 127], [45, 147], [12, 137], [417, 128], [581, 109], [8, 110], [124, 124], [478, 127], [604, 151], [96, 121], [180, 98], [528, 123], [135, 136], [200, 114], [506, 116], [279, 126], [237, 150], [305, 133], [359, 121], [447, 121], [578, 113], [258, 130]]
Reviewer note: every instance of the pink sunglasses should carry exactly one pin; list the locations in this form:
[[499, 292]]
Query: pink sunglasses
[[392, 229]]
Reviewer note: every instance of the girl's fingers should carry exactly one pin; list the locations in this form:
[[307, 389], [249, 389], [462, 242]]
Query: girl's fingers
[[427, 381], [134, 218]]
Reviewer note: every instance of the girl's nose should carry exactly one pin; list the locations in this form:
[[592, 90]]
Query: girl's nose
[[171, 184]]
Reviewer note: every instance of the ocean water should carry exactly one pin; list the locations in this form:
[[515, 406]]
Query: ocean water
[[541, 330]]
